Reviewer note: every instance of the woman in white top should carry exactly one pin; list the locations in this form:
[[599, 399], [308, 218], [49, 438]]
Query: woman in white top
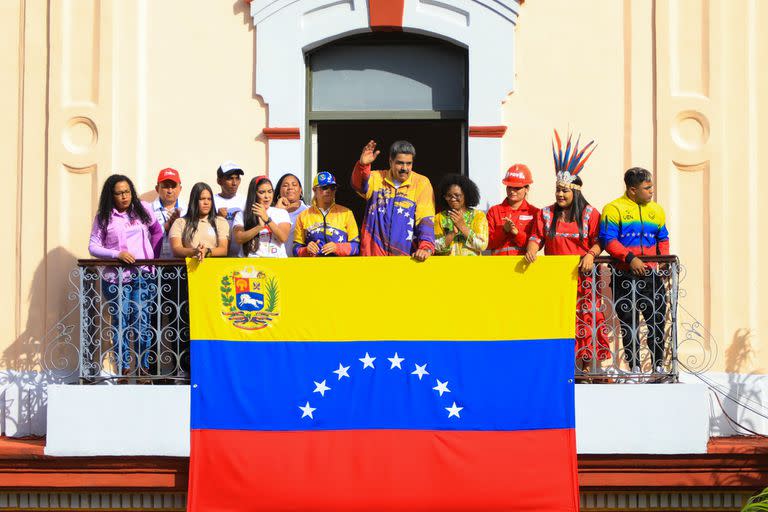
[[290, 197], [261, 229]]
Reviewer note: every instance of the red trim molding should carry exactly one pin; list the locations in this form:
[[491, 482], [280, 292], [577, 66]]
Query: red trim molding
[[495, 132], [386, 15], [281, 133]]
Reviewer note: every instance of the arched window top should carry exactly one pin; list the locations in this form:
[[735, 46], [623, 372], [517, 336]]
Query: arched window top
[[399, 73]]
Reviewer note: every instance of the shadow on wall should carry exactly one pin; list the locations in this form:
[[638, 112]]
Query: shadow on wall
[[744, 383], [46, 352]]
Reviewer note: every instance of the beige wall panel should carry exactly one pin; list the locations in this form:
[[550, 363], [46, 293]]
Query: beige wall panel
[[758, 115], [685, 173], [742, 90], [80, 31], [639, 88], [12, 63], [564, 78], [21, 352], [78, 141], [689, 46]]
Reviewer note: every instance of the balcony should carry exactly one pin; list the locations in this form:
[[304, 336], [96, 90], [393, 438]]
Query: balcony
[[133, 329]]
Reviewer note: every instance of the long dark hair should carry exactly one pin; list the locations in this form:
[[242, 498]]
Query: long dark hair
[[576, 213], [250, 219], [467, 186], [193, 214], [107, 203], [280, 184]]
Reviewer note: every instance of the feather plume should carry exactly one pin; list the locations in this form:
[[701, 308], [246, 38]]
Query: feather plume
[[581, 164], [574, 159], [567, 153], [558, 162]]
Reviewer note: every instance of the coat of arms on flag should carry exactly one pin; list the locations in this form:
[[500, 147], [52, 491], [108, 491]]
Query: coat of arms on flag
[[253, 305]]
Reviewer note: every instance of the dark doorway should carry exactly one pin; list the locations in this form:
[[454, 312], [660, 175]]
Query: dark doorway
[[439, 150]]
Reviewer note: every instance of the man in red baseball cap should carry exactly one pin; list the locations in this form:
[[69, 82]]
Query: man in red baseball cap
[[168, 207], [510, 223]]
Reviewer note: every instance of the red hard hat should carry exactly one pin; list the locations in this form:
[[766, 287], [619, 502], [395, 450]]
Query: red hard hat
[[517, 176]]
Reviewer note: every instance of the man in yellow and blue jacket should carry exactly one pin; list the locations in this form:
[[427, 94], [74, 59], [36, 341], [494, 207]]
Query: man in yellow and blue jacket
[[631, 228], [325, 228], [400, 205]]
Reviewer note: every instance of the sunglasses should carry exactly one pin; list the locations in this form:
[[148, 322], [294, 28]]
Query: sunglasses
[[326, 187]]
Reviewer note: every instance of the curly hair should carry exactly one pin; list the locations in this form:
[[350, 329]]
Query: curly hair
[[467, 186]]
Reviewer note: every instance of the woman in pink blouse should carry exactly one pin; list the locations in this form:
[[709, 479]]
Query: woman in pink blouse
[[125, 229]]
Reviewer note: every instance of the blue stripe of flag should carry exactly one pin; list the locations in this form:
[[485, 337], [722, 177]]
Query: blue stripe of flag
[[499, 385]]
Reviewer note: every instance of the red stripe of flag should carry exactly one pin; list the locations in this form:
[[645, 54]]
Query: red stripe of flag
[[383, 470]]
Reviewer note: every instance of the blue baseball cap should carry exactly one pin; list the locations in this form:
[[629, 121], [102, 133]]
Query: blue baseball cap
[[323, 178]]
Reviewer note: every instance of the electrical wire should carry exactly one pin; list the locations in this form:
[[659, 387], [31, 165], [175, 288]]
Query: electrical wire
[[716, 390]]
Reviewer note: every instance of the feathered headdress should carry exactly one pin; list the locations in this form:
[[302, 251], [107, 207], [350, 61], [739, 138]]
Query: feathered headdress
[[570, 162]]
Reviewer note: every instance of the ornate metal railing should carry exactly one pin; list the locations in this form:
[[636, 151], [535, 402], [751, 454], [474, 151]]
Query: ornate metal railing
[[626, 325], [134, 321]]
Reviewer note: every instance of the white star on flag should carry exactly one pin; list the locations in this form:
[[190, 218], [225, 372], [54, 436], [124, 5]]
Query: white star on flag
[[420, 370], [410, 235], [410, 222], [395, 360], [340, 239], [367, 361], [342, 371], [453, 410], [307, 410], [442, 387], [400, 210], [321, 388]]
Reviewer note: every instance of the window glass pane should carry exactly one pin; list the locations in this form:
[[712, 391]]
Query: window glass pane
[[388, 77]]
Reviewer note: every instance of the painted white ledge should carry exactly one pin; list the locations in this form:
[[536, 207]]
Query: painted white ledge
[[642, 418], [154, 420], [118, 420]]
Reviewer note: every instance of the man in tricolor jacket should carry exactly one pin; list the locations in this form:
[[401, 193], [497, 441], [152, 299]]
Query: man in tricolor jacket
[[631, 228], [400, 205]]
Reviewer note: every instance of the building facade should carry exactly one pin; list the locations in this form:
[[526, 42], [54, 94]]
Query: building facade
[[95, 87]]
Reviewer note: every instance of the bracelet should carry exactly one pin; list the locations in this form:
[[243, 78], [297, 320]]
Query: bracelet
[[592, 253], [269, 219]]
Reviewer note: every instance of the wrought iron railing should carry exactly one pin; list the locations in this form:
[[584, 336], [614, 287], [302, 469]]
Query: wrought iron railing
[[134, 322], [626, 325]]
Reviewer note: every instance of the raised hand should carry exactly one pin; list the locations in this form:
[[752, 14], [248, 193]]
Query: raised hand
[[283, 203], [369, 153]]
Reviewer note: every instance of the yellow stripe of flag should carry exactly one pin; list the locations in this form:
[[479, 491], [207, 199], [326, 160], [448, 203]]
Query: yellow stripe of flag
[[395, 298]]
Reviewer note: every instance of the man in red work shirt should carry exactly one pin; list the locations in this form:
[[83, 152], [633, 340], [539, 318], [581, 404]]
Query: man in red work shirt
[[510, 223]]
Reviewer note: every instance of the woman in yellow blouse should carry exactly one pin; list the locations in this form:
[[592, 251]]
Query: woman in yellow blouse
[[460, 229]]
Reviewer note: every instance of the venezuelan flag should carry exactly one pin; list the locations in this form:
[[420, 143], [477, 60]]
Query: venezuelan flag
[[383, 384]]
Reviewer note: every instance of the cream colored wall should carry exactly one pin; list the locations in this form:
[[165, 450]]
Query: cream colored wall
[[678, 86]]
